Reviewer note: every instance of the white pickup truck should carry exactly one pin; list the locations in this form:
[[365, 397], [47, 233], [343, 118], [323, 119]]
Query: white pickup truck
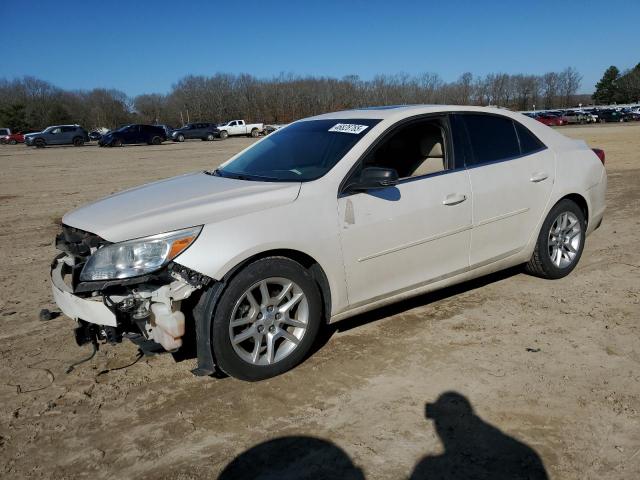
[[239, 127]]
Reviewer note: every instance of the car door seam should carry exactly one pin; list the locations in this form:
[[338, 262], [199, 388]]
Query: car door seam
[[416, 243], [501, 217]]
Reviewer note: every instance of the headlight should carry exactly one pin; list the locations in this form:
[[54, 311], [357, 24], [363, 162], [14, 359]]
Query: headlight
[[137, 257]]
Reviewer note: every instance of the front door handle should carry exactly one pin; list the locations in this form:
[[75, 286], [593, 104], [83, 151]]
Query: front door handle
[[539, 177], [454, 199]]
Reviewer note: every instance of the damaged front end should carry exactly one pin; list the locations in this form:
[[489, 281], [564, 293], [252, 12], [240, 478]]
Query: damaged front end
[[122, 290]]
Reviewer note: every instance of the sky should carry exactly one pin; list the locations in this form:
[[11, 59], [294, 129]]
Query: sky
[[146, 46]]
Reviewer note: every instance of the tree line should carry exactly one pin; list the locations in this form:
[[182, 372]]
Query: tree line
[[30, 103], [618, 87]]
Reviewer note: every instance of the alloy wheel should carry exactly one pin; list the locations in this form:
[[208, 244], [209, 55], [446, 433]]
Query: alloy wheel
[[268, 321], [564, 239]]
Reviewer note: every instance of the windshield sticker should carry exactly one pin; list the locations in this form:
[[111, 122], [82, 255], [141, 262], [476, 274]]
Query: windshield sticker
[[348, 128]]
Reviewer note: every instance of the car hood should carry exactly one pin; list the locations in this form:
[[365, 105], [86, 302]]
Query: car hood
[[179, 202]]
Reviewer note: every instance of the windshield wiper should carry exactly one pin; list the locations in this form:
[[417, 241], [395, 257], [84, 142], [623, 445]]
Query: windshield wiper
[[240, 176]]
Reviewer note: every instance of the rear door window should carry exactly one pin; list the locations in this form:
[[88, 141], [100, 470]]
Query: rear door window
[[492, 138]]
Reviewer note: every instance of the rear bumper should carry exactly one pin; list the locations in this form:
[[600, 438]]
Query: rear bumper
[[77, 308]]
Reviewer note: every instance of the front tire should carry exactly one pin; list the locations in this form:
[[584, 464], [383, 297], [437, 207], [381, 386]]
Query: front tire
[[78, 142], [180, 138], [224, 134], [156, 140], [560, 242], [266, 320], [12, 142], [39, 143]]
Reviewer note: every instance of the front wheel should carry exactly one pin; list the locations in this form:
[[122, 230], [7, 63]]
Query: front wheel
[[560, 242], [180, 138], [78, 142], [12, 141], [39, 143], [224, 134], [267, 319], [156, 140]]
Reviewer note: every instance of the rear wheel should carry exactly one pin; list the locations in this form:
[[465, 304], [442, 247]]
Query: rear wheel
[[255, 133], [210, 137], [560, 242], [12, 141], [267, 319]]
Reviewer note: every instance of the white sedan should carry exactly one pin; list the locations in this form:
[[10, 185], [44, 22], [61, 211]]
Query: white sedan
[[324, 219]]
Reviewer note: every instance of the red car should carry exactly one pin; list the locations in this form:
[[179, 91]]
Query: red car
[[550, 120], [14, 138]]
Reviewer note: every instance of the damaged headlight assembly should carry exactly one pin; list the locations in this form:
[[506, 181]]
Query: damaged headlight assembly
[[137, 257]]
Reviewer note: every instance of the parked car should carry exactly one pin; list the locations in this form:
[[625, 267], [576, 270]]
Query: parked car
[[403, 201], [12, 139], [58, 135], [203, 131], [4, 133], [576, 117], [611, 116], [549, 119], [273, 127], [131, 134], [167, 130], [239, 127]]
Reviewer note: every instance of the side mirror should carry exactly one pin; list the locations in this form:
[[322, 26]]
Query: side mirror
[[372, 178]]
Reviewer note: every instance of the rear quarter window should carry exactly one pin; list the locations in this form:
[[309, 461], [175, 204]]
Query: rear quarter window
[[529, 143]]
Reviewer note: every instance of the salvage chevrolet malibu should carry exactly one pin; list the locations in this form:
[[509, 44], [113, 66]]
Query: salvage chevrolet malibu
[[324, 219]]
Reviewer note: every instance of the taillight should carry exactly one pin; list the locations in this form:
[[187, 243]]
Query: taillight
[[600, 153]]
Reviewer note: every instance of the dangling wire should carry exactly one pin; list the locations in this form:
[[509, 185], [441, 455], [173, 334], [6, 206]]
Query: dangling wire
[[70, 368]]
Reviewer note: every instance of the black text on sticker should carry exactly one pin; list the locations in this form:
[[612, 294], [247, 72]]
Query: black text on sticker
[[348, 128]]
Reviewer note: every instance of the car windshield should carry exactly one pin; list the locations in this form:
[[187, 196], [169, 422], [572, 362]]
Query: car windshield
[[301, 152]]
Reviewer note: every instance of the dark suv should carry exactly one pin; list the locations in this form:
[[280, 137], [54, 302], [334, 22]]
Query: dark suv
[[133, 134], [58, 135], [203, 131]]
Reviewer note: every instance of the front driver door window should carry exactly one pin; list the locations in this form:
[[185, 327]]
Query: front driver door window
[[417, 232]]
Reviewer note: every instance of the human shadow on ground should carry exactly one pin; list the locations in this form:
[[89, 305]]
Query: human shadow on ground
[[473, 449], [295, 457]]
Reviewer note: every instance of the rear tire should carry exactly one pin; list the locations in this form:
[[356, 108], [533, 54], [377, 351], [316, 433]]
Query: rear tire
[[12, 142], [210, 137], [272, 338], [255, 133], [560, 242]]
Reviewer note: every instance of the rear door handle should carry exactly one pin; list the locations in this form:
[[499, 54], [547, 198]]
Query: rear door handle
[[454, 199], [539, 177]]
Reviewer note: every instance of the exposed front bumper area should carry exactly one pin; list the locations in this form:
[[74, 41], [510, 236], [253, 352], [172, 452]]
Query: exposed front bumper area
[[92, 309], [148, 311]]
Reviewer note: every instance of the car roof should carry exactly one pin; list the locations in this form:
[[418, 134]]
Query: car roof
[[394, 113]]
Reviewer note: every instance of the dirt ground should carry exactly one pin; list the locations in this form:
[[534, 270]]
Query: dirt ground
[[550, 368]]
